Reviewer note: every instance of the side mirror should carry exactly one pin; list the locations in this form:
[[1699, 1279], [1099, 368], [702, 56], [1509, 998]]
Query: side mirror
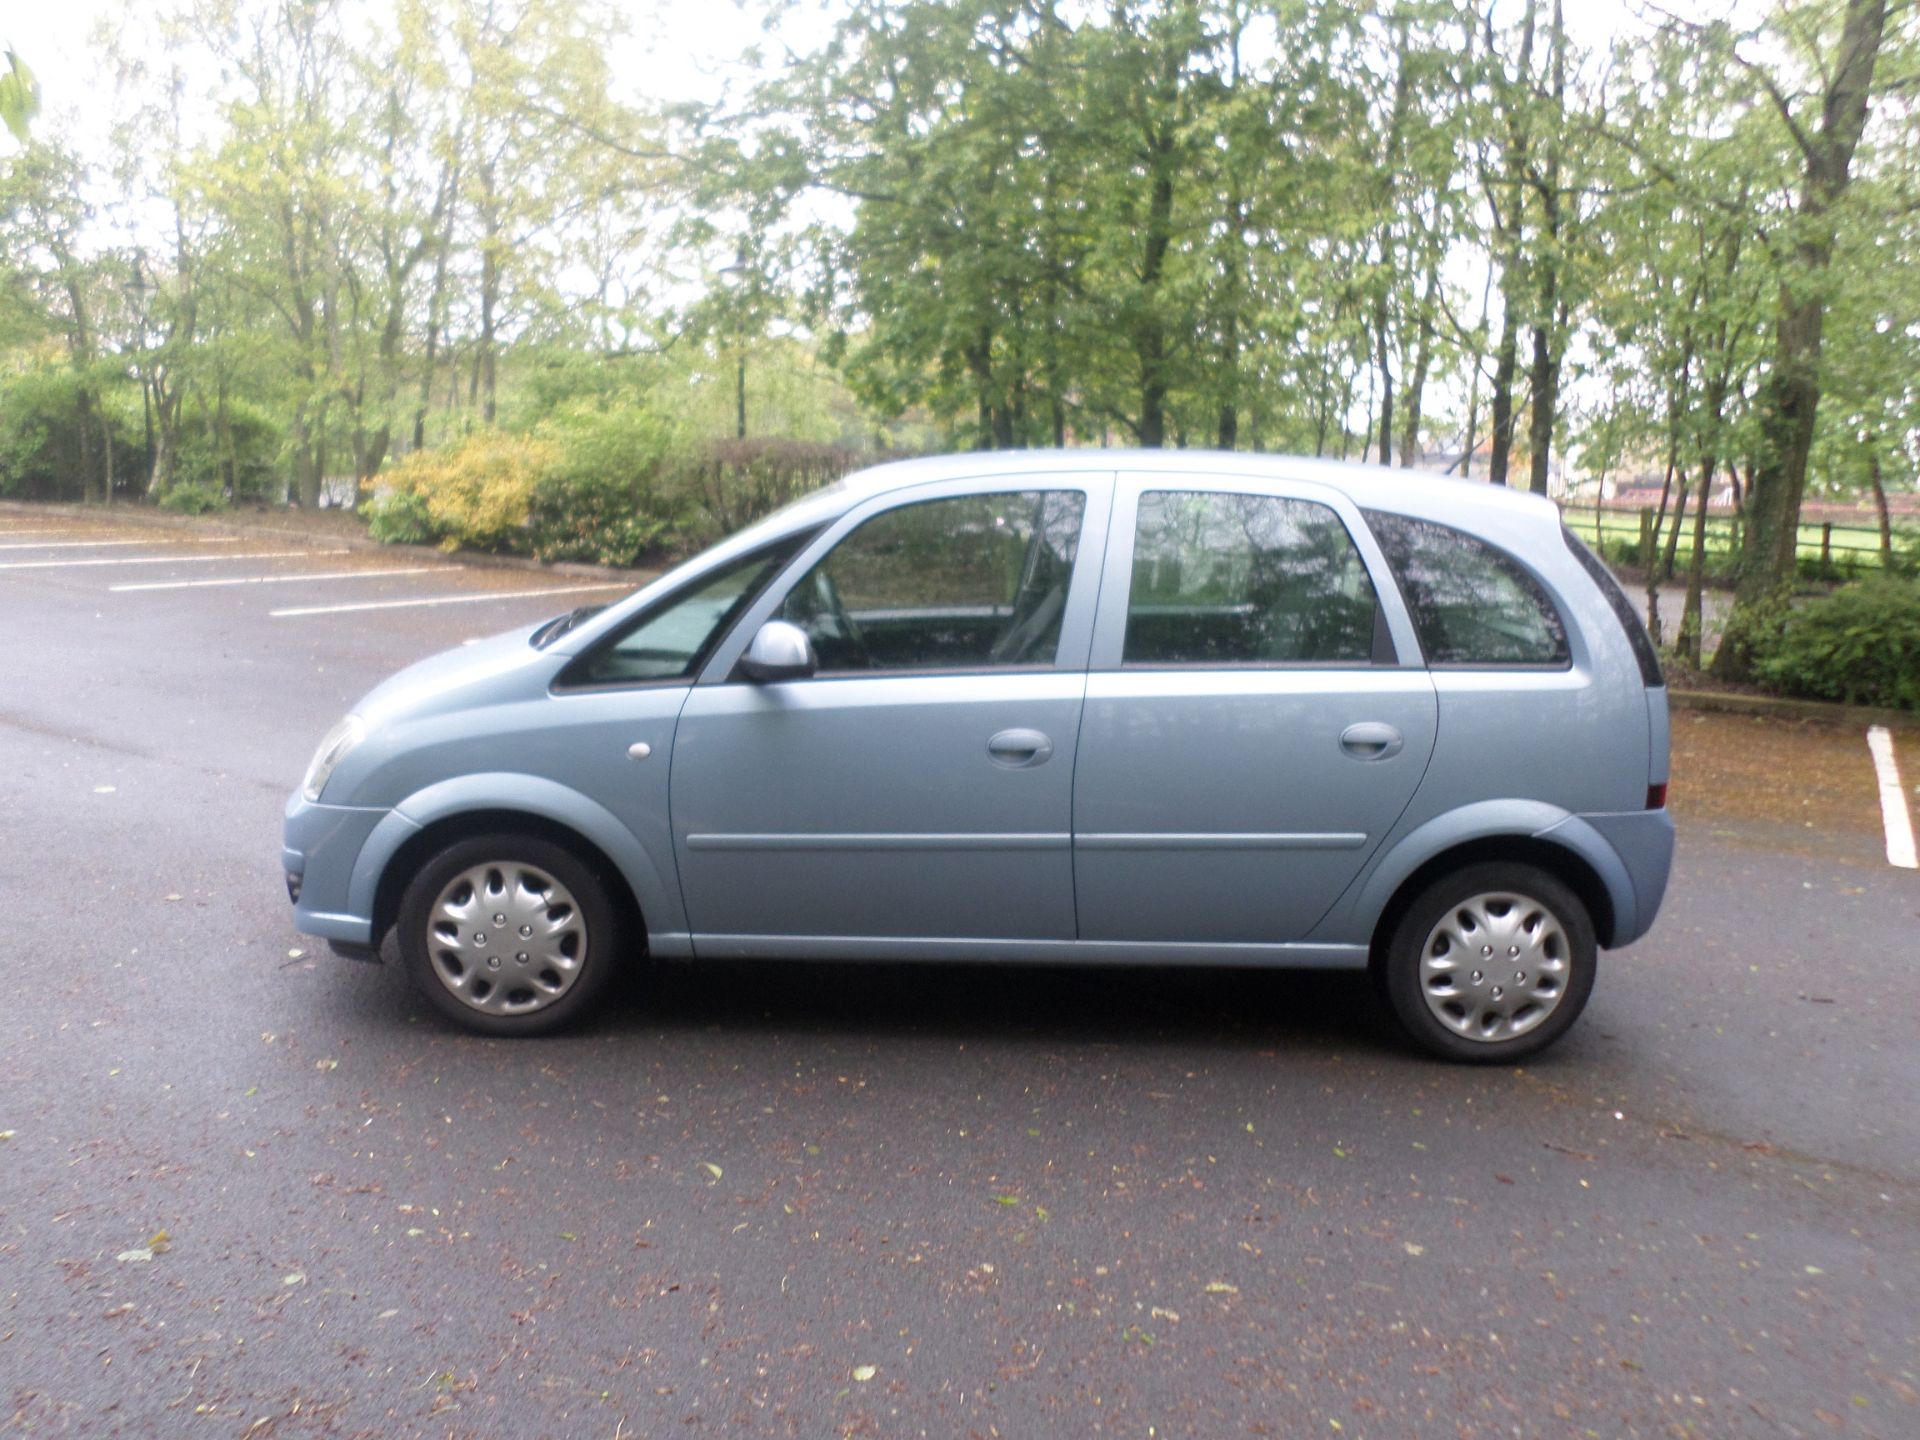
[[780, 651]]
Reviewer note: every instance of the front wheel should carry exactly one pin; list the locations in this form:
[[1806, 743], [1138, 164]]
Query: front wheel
[[508, 934], [1491, 964]]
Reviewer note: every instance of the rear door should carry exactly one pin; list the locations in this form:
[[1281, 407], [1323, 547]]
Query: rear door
[[1257, 713]]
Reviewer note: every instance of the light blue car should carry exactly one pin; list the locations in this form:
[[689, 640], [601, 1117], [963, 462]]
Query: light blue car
[[1158, 708]]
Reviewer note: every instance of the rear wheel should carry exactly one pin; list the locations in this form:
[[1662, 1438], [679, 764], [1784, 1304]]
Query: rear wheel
[[508, 934], [1490, 964]]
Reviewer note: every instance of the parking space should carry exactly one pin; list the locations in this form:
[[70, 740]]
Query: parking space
[[294, 579], [248, 1189]]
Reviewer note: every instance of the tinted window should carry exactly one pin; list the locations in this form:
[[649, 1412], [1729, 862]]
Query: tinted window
[[1471, 604], [669, 641], [975, 581], [1245, 580], [1623, 611]]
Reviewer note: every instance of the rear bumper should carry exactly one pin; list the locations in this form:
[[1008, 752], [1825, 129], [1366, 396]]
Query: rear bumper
[[319, 847], [1641, 845]]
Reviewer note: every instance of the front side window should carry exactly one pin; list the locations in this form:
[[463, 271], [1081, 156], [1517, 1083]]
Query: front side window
[[1472, 605], [976, 581], [671, 640], [1223, 579]]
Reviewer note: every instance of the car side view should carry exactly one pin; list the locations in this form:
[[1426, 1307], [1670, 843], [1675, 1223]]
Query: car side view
[[1156, 707]]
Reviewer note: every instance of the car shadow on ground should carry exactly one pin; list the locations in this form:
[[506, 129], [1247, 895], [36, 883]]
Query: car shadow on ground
[[1239, 1009]]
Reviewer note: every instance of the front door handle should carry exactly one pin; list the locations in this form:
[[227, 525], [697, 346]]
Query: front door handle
[[1020, 749], [1372, 740]]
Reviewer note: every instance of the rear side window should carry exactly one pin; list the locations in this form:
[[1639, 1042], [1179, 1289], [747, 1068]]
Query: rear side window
[[1623, 611], [1223, 579], [1472, 605]]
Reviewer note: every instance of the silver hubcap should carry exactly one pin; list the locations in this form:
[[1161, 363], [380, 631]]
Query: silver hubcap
[[1495, 966], [506, 939]]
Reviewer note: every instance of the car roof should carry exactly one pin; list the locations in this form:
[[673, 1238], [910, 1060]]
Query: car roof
[[1422, 493]]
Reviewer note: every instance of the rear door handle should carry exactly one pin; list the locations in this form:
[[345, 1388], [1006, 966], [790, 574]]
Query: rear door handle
[[1020, 749], [1372, 740]]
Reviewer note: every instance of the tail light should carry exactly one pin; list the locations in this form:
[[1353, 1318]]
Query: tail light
[[1657, 796]]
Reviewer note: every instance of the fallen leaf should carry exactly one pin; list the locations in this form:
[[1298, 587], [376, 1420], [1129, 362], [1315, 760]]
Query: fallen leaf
[[1413, 1249], [136, 1256], [1220, 1287], [864, 1373], [327, 1064], [6, 1134], [296, 1278], [711, 1168], [1565, 1150], [173, 897], [160, 1242], [1006, 1199], [568, 1236]]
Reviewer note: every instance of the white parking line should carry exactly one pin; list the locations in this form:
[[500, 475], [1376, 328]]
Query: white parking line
[[109, 544], [162, 559], [444, 600], [1893, 801], [280, 579]]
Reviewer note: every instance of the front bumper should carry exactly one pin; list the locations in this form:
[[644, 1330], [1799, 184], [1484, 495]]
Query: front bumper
[[320, 845]]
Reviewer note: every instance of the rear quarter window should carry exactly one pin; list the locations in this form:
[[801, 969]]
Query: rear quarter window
[[1472, 604], [1643, 652]]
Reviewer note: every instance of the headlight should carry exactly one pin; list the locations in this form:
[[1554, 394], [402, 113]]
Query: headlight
[[340, 739]]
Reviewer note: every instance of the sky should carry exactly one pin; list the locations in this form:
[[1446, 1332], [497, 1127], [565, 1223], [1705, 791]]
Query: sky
[[679, 49]]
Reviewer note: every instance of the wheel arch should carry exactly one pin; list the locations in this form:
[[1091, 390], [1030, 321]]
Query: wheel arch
[[1526, 831], [1567, 866], [442, 814], [428, 841]]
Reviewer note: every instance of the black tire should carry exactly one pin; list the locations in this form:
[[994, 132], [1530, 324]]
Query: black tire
[[1573, 948], [434, 964]]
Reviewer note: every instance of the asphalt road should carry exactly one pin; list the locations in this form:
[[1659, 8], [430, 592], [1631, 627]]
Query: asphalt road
[[823, 1200]]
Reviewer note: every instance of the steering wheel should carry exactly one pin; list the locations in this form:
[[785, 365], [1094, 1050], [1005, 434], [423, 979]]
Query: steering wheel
[[827, 595]]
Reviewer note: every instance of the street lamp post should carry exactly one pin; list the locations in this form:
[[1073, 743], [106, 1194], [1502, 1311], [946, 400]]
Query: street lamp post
[[734, 277]]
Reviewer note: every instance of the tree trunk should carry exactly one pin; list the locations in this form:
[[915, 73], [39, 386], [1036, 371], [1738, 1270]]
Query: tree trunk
[[1789, 397], [1689, 639], [1473, 381], [1422, 360], [1505, 362], [484, 361], [1880, 507], [1510, 228], [1150, 339], [1546, 357]]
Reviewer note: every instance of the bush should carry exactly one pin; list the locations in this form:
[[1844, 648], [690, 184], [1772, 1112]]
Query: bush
[[400, 517], [1859, 645], [193, 497], [612, 495], [476, 492], [735, 482], [609, 486]]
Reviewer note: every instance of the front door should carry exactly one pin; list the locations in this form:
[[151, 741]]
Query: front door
[[1249, 733], [919, 786]]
